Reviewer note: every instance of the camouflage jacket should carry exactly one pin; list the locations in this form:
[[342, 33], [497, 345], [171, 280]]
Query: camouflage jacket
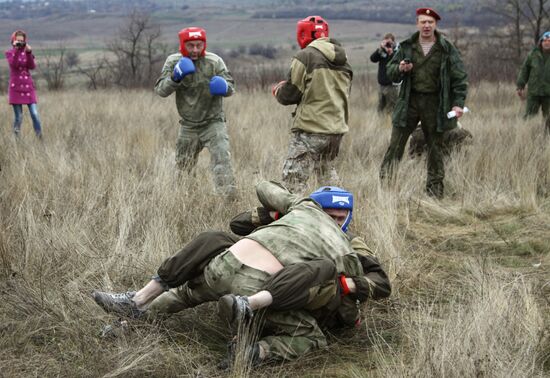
[[370, 279], [453, 82], [319, 82], [196, 106], [305, 233], [535, 73]]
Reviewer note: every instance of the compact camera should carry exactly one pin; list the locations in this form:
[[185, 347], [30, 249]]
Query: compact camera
[[20, 44], [389, 45]]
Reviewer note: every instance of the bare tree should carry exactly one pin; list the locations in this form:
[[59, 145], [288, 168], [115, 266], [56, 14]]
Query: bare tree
[[506, 44], [522, 16], [54, 68], [537, 16], [72, 59], [136, 49], [97, 74]]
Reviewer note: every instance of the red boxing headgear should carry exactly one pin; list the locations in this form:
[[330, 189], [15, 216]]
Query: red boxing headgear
[[191, 34], [428, 12], [310, 28]]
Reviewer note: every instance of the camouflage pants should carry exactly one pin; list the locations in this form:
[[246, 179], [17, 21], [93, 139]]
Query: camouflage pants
[[191, 141], [534, 103], [310, 154], [293, 333], [387, 97], [422, 108]]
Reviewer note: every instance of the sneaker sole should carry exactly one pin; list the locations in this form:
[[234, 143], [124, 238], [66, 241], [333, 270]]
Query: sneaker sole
[[225, 309]]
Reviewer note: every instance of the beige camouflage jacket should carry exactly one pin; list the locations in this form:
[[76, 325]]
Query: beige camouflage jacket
[[319, 82]]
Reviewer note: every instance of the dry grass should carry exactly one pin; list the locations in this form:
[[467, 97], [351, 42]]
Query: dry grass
[[98, 205]]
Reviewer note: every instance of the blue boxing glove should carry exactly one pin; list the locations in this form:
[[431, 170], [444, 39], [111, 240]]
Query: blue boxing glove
[[184, 67], [218, 86]]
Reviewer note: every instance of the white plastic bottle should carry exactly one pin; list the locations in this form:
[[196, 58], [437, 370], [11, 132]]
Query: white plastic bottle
[[452, 113]]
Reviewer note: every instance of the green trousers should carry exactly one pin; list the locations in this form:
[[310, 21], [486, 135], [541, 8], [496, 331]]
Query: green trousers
[[192, 140], [534, 103], [422, 108], [292, 333]]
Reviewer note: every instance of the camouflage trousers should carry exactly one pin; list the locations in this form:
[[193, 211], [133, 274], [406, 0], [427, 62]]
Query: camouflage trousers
[[292, 333], [192, 140], [422, 108], [310, 154], [534, 103], [387, 97]]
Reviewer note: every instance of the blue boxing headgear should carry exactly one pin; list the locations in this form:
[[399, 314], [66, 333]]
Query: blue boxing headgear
[[332, 197]]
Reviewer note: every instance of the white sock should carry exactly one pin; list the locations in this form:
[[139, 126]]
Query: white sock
[[147, 294]]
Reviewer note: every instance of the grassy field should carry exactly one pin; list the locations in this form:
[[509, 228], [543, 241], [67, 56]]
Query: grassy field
[[98, 205]]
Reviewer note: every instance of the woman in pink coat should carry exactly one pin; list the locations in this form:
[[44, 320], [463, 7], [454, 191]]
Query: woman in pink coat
[[21, 87]]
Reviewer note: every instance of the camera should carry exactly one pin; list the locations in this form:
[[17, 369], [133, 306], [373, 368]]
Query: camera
[[389, 45], [20, 44]]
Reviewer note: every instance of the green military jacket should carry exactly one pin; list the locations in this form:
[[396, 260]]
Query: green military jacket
[[196, 106], [535, 73], [319, 82], [453, 86]]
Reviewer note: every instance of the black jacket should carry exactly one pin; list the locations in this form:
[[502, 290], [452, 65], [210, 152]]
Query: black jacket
[[382, 58]]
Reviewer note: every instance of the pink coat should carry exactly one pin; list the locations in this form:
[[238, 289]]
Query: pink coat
[[21, 89]]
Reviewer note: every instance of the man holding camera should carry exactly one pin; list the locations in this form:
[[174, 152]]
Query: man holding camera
[[387, 90], [535, 73], [434, 82], [201, 81]]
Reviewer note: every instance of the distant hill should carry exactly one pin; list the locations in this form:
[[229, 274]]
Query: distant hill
[[465, 12]]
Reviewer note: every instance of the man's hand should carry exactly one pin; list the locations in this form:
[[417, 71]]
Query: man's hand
[[521, 93], [405, 65], [458, 110], [387, 45], [184, 67], [276, 87]]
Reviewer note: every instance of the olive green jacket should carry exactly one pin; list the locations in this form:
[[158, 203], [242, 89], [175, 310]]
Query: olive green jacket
[[535, 73], [319, 82], [453, 82], [196, 106]]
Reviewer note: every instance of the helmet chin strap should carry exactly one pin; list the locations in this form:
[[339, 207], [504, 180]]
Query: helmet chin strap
[[347, 222]]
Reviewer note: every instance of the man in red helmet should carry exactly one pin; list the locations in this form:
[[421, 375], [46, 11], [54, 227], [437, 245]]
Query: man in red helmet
[[200, 80], [319, 83]]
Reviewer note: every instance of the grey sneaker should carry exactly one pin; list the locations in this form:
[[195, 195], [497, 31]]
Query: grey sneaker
[[118, 303], [234, 309]]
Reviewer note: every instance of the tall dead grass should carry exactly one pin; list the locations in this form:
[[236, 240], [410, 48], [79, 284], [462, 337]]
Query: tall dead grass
[[99, 205]]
